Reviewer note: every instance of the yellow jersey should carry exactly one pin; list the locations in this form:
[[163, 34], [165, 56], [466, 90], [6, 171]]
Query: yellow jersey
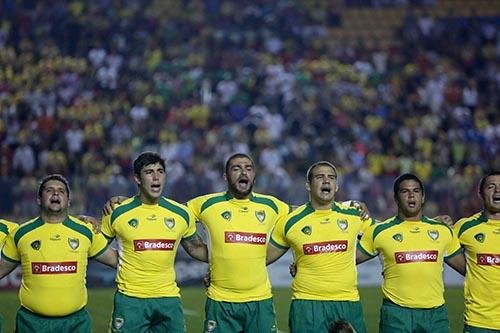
[[53, 258], [5, 228], [480, 237], [238, 230], [412, 254], [147, 238], [324, 248]]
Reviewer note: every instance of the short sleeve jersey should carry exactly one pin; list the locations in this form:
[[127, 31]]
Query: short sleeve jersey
[[238, 231], [53, 259], [480, 237], [412, 254], [147, 238], [324, 247], [5, 228]]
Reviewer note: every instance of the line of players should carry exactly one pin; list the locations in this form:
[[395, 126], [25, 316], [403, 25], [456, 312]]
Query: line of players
[[247, 231]]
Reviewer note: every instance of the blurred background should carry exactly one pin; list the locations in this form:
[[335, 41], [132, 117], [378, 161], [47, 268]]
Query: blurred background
[[378, 87]]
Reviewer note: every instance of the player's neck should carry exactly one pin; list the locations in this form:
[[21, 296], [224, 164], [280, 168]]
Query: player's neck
[[491, 215], [415, 218], [321, 205], [54, 218], [240, 196], [147, 200]]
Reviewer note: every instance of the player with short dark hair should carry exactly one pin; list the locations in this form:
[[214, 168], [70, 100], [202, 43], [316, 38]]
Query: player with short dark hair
[[479, 235], [412, 248], [148, 228], [322, 234], [53, 250]]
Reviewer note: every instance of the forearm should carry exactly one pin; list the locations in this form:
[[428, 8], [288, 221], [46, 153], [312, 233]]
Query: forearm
[[6, 267], [109, 257], [196, 248]]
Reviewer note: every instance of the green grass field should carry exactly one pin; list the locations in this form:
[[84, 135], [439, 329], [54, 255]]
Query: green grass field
[[100, 302]]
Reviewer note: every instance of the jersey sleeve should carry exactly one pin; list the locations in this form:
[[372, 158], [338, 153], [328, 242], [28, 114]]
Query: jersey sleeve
[[194, 205], [191, 229], [366, 224], [453, 248], [283, 208], [98, 246], [366, 243], [106, 228], [6, 227], [10, 251], [278, 237]]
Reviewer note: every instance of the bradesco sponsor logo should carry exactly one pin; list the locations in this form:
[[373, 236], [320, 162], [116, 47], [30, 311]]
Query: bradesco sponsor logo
[[488, 259], [416, 256], [325, 247], [244, 237], [67, 267], [154, 244]]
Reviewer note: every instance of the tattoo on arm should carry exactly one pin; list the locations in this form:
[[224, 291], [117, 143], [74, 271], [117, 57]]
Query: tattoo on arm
[[192, 244]]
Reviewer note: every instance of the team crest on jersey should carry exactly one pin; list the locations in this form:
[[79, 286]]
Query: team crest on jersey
[[398, 237], [226, 215], [118, 322], [307, 230], [260, 215], [36, 245], [169, 222], [480, 237], [73, 243], [415, 230], [343, 224], [211, 324], [433, 234], [133, 223]]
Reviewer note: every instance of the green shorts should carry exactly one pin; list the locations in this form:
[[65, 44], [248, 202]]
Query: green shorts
[[29, 322], [474, 329], [142, 315], [248, 317], [309, 316], [399, 319]]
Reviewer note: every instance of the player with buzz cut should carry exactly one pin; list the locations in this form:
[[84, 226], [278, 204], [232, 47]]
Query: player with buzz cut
[[322, 234], [479, 235], [412, 248], [239, 222], [53, 250], [148, 229]]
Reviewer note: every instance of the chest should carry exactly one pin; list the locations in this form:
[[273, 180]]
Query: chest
[[153, 225], [239, 217], [482, 240], [418, 238], [54, 243]]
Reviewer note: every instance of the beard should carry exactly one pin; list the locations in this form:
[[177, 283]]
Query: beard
[[237, 193]]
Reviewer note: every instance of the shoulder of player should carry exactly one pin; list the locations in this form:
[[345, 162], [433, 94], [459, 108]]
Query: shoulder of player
[[125, 206], [79, 226], [7, 226], [274, 203], [342, 209], [216, 197], [26, 228], [293, 217], [381, 227], [468, 223]]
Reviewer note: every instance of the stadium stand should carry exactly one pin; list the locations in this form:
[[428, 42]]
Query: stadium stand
[[377, 87]]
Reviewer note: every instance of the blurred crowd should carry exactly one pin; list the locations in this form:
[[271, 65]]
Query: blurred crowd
[[85, 86]]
